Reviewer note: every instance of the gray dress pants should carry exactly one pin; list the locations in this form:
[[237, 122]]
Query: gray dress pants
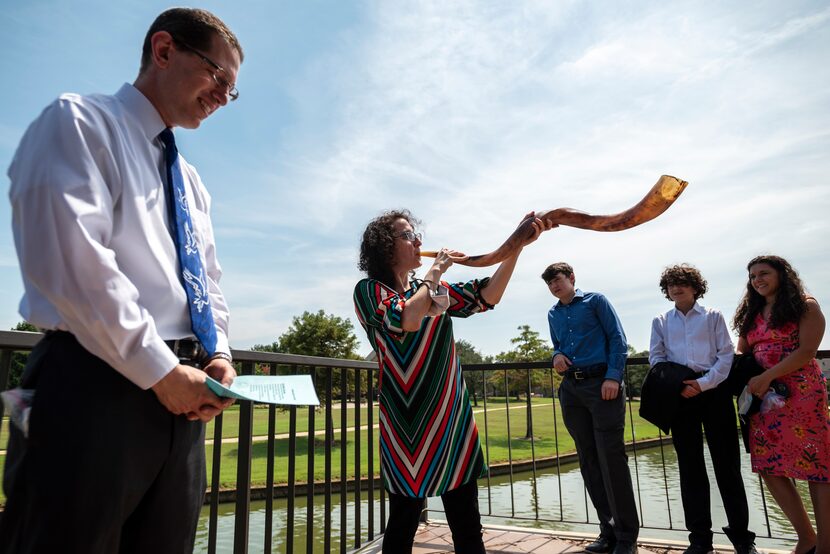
[[597, 426]]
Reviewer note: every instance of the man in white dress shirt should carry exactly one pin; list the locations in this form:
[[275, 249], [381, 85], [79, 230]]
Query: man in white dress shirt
[[114, 457], [697, 337]]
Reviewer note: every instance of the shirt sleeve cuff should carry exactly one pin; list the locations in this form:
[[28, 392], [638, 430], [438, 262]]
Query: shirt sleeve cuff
[[148, 365], [704, 383], [222, 344], [615, 375]]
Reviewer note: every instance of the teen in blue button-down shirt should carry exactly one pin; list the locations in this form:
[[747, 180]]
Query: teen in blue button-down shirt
[[590, 352], [587, 331]]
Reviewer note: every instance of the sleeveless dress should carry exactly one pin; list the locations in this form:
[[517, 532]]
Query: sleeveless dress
[[794, 440], [429, 441]]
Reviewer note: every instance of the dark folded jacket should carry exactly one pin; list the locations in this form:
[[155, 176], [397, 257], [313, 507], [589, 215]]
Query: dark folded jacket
[[744, 367], [660, 394]]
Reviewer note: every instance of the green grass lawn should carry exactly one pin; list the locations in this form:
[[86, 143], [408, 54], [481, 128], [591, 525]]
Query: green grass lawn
[[545, 435], [493, 433], [230, 422]]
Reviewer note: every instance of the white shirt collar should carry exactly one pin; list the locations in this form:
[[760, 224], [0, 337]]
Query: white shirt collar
[[695, 308], [139, 106]]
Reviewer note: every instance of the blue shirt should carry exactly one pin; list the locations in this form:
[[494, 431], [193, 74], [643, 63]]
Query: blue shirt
[[589, 332]]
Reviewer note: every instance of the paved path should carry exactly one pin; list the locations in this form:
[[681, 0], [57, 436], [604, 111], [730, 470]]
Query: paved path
[[322, 432]]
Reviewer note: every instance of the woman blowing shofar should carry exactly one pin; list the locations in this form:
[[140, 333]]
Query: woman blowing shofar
[[428, 438]]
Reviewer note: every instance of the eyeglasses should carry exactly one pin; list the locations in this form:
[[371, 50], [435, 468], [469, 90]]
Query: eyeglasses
[[226, 87], [409, 235]]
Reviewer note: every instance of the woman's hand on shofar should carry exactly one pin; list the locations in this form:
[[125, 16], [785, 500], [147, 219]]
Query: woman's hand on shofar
[[539, 227], [445, 258]]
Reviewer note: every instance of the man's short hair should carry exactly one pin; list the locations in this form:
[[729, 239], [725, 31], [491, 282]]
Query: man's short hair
[[554, 269], [683, 274], [193, 26]]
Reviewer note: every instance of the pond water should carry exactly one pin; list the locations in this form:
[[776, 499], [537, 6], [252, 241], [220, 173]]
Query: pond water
[[554, 496]]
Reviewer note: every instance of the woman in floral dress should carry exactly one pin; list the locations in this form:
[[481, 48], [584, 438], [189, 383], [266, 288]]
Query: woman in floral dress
[[428, 438], [783, 327]]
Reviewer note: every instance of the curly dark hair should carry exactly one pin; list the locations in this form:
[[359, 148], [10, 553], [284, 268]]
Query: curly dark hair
[[377, 247], [790, 300], [683, 274]]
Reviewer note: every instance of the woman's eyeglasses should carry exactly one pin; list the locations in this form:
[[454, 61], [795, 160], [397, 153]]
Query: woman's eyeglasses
[[409, 235]]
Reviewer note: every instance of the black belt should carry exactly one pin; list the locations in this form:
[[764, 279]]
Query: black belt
[[187, 349], [184, 349], [587, 372]]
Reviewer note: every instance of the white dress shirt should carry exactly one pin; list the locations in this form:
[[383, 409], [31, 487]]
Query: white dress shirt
[[90, 224], [699, 340]]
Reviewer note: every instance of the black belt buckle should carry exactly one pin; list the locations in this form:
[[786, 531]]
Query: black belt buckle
[[186, 349], [579, 375]]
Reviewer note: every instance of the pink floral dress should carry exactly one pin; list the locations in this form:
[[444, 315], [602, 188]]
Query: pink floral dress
[[794, 440]]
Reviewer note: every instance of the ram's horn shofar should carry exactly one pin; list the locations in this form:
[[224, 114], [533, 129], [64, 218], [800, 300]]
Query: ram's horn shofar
[[659, 198]]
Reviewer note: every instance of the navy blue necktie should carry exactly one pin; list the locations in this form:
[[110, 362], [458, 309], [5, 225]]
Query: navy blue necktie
[[193, 275]]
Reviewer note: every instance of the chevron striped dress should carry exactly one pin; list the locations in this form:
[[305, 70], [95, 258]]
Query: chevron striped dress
[[428, 438]]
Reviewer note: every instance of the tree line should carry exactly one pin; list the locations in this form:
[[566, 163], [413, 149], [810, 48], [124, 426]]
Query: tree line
[[330, 336]]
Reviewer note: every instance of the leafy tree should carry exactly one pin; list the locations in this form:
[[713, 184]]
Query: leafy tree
[[19, 359], [528, 347], [636, 373], [468, 354], [323, 335], [316, 334]]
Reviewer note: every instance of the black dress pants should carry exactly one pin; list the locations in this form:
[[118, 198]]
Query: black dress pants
[[597, 427], [461, 509], [714, 412], [105, 469]]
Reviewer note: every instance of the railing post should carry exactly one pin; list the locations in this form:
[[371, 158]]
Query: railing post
[[554, 394], [370, 449], [344, 426], [357, 530], [309, 507], [292, 468], [269, 472], [424, 511], [213, 516], [509, 441], [487, 445], [5, 369], [329, 435], [532, 443], [243, 471]]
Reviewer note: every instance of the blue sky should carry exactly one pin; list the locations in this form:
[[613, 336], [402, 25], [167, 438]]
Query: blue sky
[[472, 113]]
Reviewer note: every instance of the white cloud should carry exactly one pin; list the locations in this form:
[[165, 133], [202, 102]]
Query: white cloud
[[474, 115]]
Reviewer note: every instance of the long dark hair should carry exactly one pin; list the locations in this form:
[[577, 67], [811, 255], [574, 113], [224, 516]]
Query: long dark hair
[[790, 301], [377, 247]]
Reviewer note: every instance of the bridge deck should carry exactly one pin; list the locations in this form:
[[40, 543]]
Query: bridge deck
[[434, 537]]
